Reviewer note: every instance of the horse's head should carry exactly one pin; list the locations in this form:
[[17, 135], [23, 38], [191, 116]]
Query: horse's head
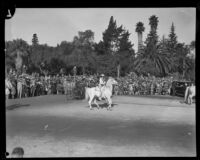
[[111, 81]]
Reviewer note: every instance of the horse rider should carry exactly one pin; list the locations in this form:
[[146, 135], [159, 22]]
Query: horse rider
[[101, 84]]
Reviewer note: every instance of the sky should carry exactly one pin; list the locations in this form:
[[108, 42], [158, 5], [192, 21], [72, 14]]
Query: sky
[[54, 25]]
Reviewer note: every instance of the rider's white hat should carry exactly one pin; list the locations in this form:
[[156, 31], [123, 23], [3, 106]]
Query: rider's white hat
[[102, 75]]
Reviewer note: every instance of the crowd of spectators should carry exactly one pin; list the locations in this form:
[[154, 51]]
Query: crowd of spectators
[[143, 85], [131, 84]]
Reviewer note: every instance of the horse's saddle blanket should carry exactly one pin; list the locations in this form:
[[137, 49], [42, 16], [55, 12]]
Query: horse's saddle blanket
[[97, 89]]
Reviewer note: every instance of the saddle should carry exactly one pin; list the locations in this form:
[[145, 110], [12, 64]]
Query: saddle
[[97, 88]]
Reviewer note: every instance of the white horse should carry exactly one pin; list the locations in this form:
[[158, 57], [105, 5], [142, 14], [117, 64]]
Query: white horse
[[92, 93], [189, 94]]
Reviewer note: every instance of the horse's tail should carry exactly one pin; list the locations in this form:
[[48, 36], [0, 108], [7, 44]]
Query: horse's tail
[[86, 94], [186, 94]]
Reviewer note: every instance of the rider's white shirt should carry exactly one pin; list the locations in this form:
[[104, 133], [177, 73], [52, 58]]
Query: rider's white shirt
[[101, 81]]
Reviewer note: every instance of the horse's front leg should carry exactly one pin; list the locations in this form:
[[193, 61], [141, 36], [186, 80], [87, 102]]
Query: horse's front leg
[[109, 104], [190, 99], [95, 101], [19, 93], [13, 96], [90, 102], [34, 91]]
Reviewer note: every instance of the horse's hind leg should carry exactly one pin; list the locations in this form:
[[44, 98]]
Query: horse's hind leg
[[186, 97], [90, 102], [95, 101]]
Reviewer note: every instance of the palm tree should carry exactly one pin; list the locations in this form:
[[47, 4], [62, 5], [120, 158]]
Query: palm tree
[[156, 63], [139, 29], [182, 61], [152, 60], [19, 50], [18, 60], [153, 22]]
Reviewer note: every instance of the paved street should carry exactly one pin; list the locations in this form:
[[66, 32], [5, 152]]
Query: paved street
[[51, 126]]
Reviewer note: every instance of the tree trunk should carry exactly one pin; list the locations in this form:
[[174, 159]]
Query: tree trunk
[[183, 69], [83, 69], [18, 62], [118, 70], [139, 42]]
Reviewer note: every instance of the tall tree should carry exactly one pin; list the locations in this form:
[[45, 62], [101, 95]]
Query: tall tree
[[18, 50], [152, 38], [116, 43], [182, 62], [82, 54], [35, 40], [100, 48], [172, 42], [192, 50], [140, 29], [163, 45], [152, 61], [86, 38], [124, 53], [110, 36]]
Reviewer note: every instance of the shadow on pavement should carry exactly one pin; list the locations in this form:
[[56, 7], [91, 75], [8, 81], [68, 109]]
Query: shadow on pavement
[[15, 106], [104, 105]]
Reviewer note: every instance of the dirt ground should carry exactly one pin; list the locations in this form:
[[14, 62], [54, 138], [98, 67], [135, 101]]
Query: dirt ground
[[52, 126]]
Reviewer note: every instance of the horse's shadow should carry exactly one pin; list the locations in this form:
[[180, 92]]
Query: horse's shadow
[[15, 106], [103, 105]]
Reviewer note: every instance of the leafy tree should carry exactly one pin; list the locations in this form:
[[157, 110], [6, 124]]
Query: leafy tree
[[86, 38], [124, 53], [192, 50], [83, 53], [182, 61], [100, 48], [65, 48], [55, 65], [172, 42], [116, 43], [17, 53], [41, 54], [192, 45], [110, 36], [106, 64]]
